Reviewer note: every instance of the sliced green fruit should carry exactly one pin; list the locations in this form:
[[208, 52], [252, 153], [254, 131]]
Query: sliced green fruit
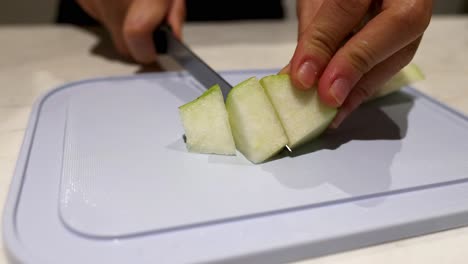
[[257, 131], [301, 113], [262, 117], [409, 74], [206, 124]]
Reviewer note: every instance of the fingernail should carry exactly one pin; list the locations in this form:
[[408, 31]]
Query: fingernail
[[307, 74], [339, 118], [340, 89], [335, 125], [285, 69]]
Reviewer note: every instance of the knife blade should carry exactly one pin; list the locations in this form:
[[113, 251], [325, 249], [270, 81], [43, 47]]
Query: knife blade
[[166, 43]]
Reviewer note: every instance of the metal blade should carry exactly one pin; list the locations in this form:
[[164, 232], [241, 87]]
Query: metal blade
[[166, 42]]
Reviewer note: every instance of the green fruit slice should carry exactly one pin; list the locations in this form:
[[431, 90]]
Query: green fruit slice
[[409, 74], [257, 131], [206, 124], [301, 113]]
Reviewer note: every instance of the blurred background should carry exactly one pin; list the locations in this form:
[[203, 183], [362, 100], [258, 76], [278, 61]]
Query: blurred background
[[51, 11]]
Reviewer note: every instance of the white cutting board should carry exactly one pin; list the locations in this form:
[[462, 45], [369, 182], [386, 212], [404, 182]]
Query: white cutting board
[[104, 175]]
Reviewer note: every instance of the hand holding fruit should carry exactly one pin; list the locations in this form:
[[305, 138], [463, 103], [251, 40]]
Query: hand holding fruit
[[132, 22], [348, 72]]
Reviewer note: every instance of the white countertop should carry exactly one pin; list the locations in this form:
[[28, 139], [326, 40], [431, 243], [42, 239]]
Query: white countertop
[[35, 59]]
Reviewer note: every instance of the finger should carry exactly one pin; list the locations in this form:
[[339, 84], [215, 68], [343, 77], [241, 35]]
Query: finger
[[118, 40], [306, 11], [322, 37], [375, 79], [142, 18], [112, 19], [393, 29], [89, 7], [286, 69], [176, 17]]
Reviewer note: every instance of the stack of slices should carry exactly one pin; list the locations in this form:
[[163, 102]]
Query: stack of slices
[[261, 117]]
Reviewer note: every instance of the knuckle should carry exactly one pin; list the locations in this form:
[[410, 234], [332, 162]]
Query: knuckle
[[321, 40], [361, 56]]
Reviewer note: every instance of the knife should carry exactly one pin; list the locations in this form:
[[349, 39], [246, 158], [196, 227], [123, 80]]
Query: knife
[[166, 43]]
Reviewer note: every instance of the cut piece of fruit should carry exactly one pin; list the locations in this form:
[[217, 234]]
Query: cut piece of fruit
[[257, 131], [206, 124], [301, 113], [408, 75]]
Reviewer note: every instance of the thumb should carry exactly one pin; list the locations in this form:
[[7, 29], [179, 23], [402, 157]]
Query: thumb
[[176, 17], [321, 38], [142, 18], [306, 11]]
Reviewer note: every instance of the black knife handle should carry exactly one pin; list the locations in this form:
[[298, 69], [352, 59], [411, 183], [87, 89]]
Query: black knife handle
[[160, 38]]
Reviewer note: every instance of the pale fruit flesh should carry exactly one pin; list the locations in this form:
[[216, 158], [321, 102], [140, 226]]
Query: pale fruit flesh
[[257, 131], [302, 114], [206, 124], [260, 118]]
